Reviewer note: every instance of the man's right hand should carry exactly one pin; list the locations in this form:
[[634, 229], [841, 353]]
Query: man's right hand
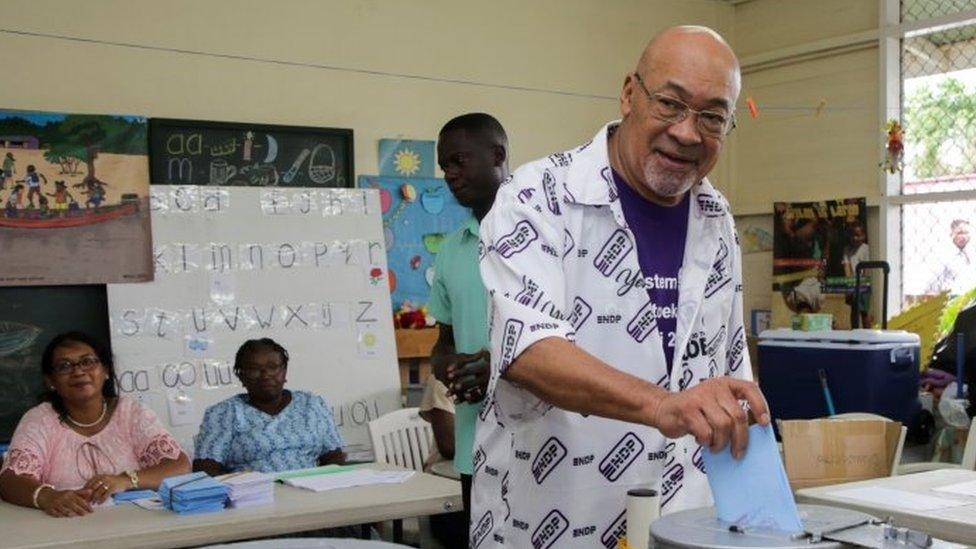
[[710, 411]]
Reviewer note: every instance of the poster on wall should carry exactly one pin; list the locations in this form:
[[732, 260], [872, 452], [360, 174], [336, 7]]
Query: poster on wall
[[74, 199], [418, 214], [816, 247], [241, 154], [305, 267], [406, 158]]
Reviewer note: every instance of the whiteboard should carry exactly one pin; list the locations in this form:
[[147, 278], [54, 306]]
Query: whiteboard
[[305, 267]]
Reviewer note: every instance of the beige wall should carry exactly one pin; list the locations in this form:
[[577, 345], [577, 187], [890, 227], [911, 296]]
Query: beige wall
[[578, 46], [791, 154]]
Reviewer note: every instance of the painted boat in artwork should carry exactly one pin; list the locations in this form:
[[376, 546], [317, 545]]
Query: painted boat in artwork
[[32, 219], [15, 337]]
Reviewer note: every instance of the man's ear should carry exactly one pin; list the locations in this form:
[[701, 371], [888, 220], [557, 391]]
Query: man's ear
[[627, 95], [501, 155]]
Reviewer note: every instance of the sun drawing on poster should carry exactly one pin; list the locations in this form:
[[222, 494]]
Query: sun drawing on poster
[[406, 162]]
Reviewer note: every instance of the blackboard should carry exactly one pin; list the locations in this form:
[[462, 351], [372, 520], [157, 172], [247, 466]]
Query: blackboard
[[192, 152], [29, 318]]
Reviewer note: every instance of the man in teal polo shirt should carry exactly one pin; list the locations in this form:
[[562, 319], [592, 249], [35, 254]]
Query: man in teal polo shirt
[[472, 149]]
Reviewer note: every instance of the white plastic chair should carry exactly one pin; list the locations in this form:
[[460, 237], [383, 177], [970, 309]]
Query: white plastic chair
[[402, 438], [968, 457]]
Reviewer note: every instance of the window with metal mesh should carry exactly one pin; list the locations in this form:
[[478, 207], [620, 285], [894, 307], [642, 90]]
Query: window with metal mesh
[[916, 10], [939, 118]]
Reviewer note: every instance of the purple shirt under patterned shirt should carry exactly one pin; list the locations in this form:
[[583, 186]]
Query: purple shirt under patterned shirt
[[659, 234]]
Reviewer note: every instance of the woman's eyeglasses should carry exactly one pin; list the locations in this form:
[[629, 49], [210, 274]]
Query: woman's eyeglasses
[[67, 367], [254, 371]]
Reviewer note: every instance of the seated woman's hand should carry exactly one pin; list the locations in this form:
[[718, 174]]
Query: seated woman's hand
[[65, 503], [103, 486]]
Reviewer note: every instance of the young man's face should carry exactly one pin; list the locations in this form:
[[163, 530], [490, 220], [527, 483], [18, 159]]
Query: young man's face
[[471, 167], [960, 235]]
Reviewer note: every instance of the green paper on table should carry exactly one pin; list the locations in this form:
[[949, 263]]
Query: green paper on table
[[314, 471], [753, 492]]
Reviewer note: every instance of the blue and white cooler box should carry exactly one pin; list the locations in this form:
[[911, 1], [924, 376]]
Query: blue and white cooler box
[[872, 371]]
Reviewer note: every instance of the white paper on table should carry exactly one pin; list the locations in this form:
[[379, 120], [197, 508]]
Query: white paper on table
[[151, 504], [902, 499], [962, 488], [109, 502], [348, 479]]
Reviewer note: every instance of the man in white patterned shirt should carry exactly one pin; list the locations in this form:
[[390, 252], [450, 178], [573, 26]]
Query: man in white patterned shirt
[[617, 343]]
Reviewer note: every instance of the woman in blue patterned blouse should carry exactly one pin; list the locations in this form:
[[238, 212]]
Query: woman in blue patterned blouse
[[269, 428]]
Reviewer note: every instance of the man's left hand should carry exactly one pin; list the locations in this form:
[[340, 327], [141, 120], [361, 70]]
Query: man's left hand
[[468, 380]]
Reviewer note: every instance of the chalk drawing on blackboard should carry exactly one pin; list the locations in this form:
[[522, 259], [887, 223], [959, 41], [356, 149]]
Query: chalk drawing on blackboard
[[248, 146], [325, 172], [183, 172], [224, 148], [16, 336], [195, 152], [296, 165], [272, 149], [221, 172], [182, 144], [260, 175]]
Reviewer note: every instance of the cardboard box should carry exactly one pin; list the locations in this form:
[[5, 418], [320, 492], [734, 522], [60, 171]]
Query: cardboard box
[[821, 452], [415, 343]]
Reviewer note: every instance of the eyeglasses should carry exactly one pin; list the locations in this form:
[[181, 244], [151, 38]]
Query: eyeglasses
[[85, 364], [673, 110], [254, 371]]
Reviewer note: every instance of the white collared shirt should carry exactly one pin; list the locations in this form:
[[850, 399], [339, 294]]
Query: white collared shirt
[[558, 259]]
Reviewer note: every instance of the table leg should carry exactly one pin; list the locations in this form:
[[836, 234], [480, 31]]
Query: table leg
[[398, 531]]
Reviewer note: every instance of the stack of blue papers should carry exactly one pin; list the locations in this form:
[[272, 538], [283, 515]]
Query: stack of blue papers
[[753, 492], [193, 493], [131, 495]]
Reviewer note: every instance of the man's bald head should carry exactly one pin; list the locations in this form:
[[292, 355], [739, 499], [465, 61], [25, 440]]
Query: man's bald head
[[704, 45]]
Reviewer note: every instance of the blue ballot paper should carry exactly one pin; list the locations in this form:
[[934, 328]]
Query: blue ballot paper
[[753, 492], [130, 495], [193, 493]]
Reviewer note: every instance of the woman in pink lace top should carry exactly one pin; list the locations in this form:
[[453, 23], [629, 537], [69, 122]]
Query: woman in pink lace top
[[84, 443]]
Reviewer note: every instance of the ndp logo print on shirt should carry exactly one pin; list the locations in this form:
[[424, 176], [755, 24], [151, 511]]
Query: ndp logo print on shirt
[[517, 240], [645, 321], [549, 530], [510, 339], [720, 276], [616, 530], [613, 252], [549, 187], [549, 456], [580, 312], [482, 529], [621, 456]]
